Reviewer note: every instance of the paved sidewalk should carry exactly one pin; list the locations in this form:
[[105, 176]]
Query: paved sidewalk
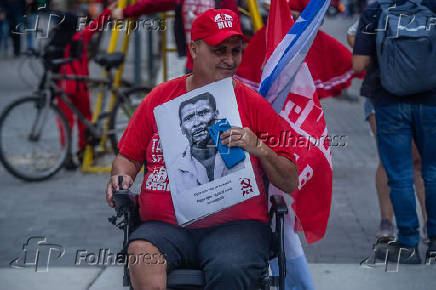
[[326, 277]]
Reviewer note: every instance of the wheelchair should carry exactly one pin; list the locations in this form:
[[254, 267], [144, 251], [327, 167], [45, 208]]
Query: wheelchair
[[127, 219]]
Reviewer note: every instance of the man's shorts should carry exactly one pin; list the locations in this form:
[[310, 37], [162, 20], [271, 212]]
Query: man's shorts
[[247, 241]]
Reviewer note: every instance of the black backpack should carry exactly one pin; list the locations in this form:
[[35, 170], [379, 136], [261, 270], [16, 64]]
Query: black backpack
[[406, 46]]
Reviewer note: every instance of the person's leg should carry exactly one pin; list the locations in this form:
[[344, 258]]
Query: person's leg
[[144, 275], [156, 248], [425, 140], [419, 182], [394, 141], [381, 182], [235, 255], [12, 20], [386, 227], [30, 24]]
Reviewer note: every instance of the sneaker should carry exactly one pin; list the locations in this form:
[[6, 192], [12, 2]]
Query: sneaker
[[403, 254], [385, 232], [431, 251]]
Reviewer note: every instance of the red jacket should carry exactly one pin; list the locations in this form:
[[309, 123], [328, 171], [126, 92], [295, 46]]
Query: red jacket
[[80, 66]]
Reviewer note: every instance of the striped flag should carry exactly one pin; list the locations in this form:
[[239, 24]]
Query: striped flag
[[287, 84]]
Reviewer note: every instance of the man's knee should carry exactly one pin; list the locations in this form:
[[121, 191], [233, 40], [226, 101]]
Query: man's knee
[[226, 271], [147, 266], [143, 252], [237, 272], [140, 247]]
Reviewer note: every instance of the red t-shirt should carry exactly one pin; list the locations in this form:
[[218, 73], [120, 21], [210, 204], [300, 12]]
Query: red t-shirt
[[140, 142]]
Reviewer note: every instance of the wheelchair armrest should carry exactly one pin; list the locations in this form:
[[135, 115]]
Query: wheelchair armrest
[[278, 205]]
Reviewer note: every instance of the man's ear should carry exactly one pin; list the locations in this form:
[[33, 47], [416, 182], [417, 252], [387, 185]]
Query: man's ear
[[193, 49]]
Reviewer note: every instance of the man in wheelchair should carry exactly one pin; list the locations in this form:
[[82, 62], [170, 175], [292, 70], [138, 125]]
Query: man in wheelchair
[[231, 246]]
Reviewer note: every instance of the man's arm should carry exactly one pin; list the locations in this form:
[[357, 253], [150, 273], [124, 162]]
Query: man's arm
[[122, 166], [280, 171], [364, 46]]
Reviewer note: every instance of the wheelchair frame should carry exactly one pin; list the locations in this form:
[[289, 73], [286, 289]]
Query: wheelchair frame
[[127, 219]]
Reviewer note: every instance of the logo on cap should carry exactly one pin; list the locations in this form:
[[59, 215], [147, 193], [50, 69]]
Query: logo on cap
[[224, 20]]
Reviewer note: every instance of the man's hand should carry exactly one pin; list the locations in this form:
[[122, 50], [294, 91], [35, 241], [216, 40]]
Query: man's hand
[[113, 185], [360, 62], [244, 138], [280, 171]]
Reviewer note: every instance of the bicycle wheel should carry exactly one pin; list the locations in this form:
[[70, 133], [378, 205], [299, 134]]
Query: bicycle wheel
[[122, 111], [34, 139]]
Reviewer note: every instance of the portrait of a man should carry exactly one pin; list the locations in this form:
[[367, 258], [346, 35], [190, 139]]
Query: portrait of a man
[[200, 162]]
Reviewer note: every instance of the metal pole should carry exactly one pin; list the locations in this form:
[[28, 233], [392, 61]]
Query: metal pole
[[255, 14], [137, 65], [150, 57]]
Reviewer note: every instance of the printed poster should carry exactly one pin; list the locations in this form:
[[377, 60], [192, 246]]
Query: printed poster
[[201, 181]]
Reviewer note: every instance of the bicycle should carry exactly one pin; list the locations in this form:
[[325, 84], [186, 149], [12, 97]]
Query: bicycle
[[35, 138]]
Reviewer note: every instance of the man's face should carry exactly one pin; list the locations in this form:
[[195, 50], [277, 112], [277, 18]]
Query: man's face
[[195, 120], [214, 63]]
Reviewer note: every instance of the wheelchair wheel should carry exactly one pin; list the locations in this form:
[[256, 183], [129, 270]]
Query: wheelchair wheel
[[34, 139], [122, 111]]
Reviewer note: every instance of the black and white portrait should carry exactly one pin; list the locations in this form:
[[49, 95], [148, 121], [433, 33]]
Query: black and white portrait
[[197, 173], [200, 162]]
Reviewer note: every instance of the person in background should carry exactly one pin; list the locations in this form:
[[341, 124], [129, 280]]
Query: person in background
[[4, 28], [399, 120], [385, 230], [187, 9], [15, 15], [77, 91], [30, 11]]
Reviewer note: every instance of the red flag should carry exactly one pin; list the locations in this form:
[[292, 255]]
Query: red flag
[[277, 26], [329, 61], [308, 133]]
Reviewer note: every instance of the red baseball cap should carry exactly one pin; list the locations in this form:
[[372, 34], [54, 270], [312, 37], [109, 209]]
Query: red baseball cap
[[216, 25]]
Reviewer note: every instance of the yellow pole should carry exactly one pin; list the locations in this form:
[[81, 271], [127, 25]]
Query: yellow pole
[[89, 154], [255, 14]]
